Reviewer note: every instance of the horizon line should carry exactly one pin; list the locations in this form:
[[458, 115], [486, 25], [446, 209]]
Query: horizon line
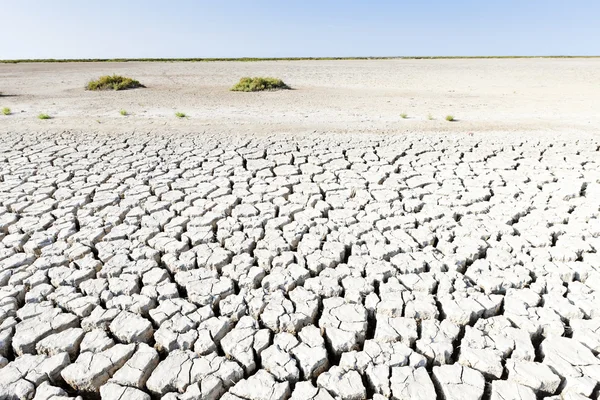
[[258, 59]]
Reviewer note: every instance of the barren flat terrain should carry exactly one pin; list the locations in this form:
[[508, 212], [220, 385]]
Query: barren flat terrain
[[329, 96], [305, 244]]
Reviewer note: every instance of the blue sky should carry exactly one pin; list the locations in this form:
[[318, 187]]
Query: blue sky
[[288, 28]]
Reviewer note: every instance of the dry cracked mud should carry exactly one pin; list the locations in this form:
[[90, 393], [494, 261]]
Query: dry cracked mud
[[325, 267]]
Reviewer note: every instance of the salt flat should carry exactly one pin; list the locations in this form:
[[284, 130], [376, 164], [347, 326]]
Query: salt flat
[[270, 251], [514, 95]]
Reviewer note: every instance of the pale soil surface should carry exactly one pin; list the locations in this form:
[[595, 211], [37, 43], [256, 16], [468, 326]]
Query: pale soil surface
[[339, 266], [329, 96], [240, 255]]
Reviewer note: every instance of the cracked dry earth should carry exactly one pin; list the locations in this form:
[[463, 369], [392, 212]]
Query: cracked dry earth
[[325, 267]]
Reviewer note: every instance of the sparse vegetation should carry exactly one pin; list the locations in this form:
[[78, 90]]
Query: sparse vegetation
[[114, 82], [430, 117], [404, 115], [449, 118], [258, 84], [180, 115], [6, 111], [254, 59], [123, 113], [44, 116]]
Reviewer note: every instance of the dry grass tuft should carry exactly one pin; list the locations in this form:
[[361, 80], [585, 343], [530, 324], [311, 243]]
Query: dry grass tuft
[[259, 84], [114, 82]]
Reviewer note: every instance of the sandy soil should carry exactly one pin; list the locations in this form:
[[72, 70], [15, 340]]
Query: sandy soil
[[330, 96]]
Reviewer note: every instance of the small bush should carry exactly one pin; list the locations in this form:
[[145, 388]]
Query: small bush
[[44, 116], [6, 111], [123, 113], [114, 82], [259, 84], [404, 115], [449, 118], [430, 117], [180, 115]]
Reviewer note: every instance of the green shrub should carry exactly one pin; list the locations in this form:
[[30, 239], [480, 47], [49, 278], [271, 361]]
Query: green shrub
[[449, 118], [114, 82], [430, 117], [123, 113], [44, 116], [404, 115], [259, 84], [180, 115], [6, 111]]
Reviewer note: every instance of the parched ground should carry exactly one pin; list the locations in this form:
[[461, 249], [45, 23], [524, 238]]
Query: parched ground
[[510, 95], [303, 244], [204, 266]]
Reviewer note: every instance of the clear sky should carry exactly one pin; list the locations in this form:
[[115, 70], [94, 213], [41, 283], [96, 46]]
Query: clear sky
[[289, 28]]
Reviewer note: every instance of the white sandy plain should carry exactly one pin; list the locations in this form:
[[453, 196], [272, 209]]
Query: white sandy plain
[[508, 95]]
